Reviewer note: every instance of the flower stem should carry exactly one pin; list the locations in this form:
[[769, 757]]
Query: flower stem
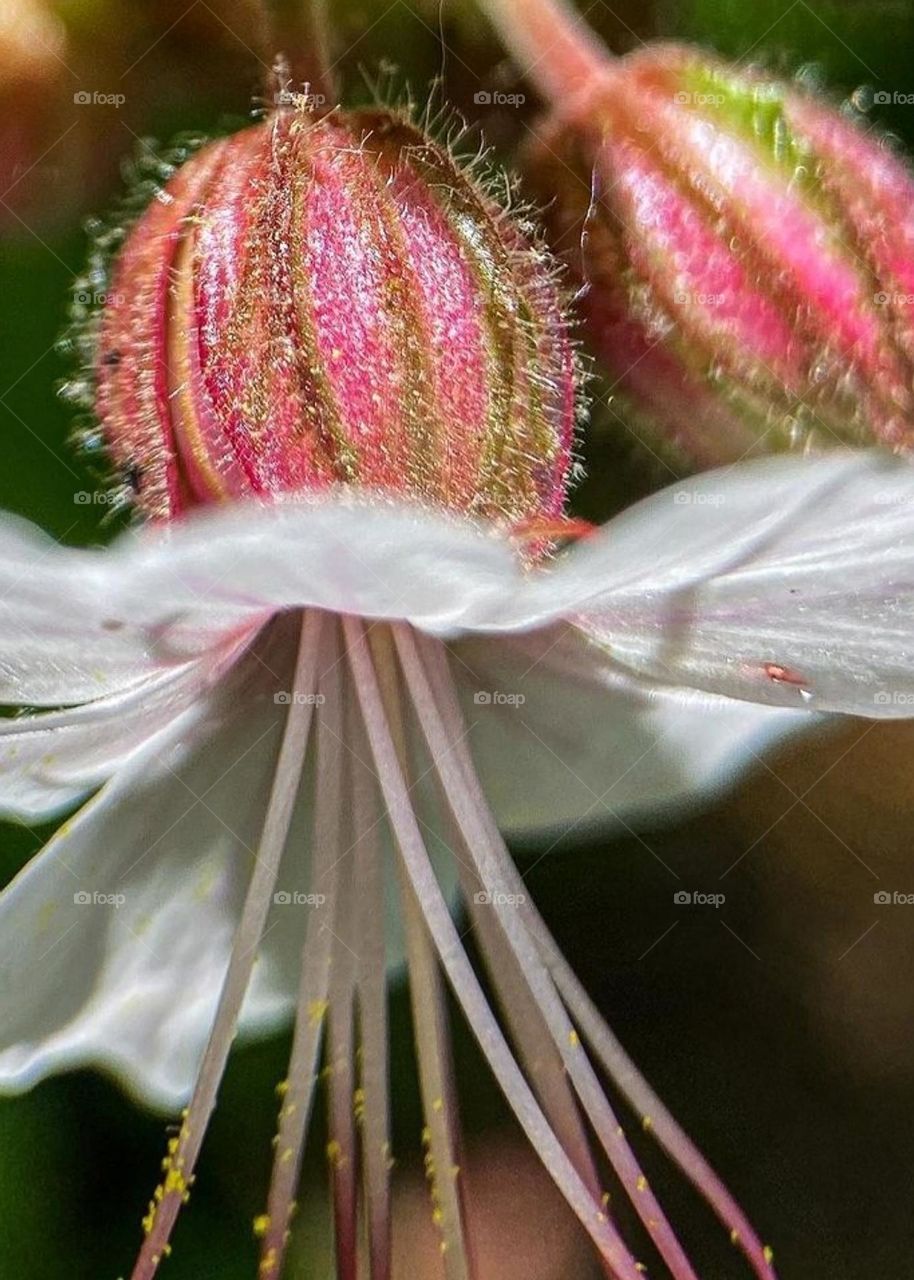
[[298, 35], [552, 44]]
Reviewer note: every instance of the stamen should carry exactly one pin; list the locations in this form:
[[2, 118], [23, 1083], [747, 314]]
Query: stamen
[[444, 730], [183, 1153], [641, 1097], [655, 1117], [317, 957], [373, 1114], [465, 984], [530, 1032], [429, 1008], [341, 1147]]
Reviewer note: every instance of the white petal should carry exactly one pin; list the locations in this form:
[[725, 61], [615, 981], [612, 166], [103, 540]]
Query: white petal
[[131, 984], [59, 641], [223, 567], [776, 581], [51, 760], [787, 581], [129, 979], [566, 741]]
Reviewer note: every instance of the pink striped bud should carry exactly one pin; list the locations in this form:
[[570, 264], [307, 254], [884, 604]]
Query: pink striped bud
[[333, 301], [749, 252]]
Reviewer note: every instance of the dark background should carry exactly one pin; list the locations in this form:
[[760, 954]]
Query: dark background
[[777, 1028]]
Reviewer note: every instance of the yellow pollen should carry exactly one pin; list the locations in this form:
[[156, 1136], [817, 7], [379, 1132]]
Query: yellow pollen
[[317, 1009], [261, 1225], [647, 1124], [768, 1254], [573, 1039], [642, 1183]]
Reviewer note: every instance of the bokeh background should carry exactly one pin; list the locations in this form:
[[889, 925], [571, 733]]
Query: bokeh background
[[777, 1027]]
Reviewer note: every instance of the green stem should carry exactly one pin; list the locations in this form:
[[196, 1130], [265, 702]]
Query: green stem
[[551, 43], [298, 37]]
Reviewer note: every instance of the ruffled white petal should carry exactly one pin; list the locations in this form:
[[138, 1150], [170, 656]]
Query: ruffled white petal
[[50, 761], [565, 740], [787, 581], [115, 939], [60, 643], [222, 567], [797, 566]]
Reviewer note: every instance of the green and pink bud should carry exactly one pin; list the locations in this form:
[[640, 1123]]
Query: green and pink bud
[[746, 248], [332, 301]]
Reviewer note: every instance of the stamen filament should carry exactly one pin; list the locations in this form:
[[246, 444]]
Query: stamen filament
[[429, 1009], [342, 1148], [442, 725], [457, 966], [314, 982], [182, 1159], [609, 1052], [372, 1001]]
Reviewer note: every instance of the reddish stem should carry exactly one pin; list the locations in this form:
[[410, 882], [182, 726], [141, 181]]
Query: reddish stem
[[298, 36], [552, 44]]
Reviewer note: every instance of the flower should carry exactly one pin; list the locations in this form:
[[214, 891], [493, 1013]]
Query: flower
[[328, 674], [746, 247], [270, 688]]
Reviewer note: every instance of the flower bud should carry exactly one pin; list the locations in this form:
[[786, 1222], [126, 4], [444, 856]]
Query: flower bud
[[748, 252], [332, 301]]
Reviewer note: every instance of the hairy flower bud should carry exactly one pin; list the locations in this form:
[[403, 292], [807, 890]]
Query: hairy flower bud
[[749, 253], [333, 301]]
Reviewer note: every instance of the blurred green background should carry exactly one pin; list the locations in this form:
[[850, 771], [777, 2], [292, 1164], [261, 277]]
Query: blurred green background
[[779, 1030]]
